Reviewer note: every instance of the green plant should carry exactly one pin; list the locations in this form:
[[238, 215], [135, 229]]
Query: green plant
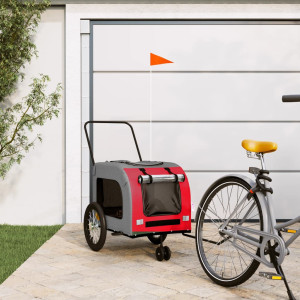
[[17, 120], [18, 23]]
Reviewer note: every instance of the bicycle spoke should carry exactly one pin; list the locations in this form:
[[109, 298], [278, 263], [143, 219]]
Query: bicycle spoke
[[229, 201], [233, 263], [221, 202], [213, 247], [213, 221], [215, 214]]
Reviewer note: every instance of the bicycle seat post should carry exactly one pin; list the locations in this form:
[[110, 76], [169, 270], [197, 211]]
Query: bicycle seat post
[[266, 188], [262, 160]]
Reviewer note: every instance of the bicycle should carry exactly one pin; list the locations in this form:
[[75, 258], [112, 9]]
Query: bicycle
[[236, 228]]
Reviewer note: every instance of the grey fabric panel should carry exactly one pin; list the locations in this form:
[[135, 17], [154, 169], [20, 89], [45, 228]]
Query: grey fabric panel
[[115, 171]]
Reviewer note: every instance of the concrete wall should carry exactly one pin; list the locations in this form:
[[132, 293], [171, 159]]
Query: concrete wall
[[33, 192]]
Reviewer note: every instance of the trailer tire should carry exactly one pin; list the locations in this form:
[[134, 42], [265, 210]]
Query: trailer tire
[[167, 253], [159, 253], [95, 228], [157, 239]]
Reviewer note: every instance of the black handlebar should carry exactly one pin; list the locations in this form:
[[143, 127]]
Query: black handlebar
[[291, 98], [109, 122]]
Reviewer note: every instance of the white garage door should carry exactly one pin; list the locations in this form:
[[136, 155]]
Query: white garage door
[[225, 85]]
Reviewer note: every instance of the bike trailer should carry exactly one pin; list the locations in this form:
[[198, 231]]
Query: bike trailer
[[144, 198]]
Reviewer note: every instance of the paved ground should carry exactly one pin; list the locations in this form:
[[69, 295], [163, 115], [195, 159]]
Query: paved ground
[[65, 268]]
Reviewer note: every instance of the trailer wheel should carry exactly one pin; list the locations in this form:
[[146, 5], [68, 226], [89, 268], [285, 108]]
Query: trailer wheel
[[95, 226], [167, 253], [156, 239], [159, 253]]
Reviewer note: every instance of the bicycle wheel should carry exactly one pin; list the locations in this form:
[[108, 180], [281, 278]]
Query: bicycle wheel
[[224, 263]]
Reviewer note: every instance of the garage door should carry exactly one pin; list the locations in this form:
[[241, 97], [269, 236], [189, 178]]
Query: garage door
[[225, 85]]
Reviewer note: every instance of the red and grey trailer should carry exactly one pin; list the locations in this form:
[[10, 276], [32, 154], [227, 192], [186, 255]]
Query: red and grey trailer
[[136, 199]]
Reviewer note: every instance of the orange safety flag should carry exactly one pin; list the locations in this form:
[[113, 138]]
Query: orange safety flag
[[158, 60]]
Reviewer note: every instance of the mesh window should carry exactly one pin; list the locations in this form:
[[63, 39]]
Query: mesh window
[[162, 198], [109, 196]]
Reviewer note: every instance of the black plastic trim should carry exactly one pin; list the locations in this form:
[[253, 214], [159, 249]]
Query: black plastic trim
[[291, 98], [163, 223]]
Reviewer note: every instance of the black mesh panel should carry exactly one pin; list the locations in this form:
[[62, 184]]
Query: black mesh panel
[[162, 198]]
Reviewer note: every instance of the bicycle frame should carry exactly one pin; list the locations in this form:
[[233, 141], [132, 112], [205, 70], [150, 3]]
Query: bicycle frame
[[270, 231]]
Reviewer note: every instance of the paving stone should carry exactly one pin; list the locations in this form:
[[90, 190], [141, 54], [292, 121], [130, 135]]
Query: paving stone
[[60, 285], [203, 292], [183, 296], [84, 292], [65, 268], [17, 296], [225, 296], [62, 296], [139, 296], [162, 292], [37, 291], [6, 291], [15, 281]]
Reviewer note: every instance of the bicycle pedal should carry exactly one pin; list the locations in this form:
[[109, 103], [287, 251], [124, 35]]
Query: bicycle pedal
[[288, 230], [270, 275]]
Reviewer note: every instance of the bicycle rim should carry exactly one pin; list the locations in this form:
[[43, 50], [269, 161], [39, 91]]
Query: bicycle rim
[[220, 258]]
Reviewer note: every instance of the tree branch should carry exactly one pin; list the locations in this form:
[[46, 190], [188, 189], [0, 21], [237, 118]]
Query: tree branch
[[15, 131]]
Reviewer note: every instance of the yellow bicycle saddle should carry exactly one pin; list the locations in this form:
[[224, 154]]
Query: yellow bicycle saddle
[[259, 147]]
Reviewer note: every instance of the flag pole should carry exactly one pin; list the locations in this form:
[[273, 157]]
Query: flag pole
[[154, 60], [150, 112]]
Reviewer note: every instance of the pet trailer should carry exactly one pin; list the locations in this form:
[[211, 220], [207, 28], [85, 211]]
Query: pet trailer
[[136, 199]]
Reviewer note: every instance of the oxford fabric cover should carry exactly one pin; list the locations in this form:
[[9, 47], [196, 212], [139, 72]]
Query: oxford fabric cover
[[115, 171]]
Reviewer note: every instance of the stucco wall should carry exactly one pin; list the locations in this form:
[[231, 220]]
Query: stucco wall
[[33, 192]]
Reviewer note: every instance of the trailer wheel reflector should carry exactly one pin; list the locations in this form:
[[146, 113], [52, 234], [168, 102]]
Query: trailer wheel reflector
[[140, 222]]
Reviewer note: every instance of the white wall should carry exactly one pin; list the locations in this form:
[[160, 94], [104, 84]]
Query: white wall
[[74, 13], [33, 192], [200, 117]]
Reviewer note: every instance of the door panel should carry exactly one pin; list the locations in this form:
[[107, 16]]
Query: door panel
[[190, 96], [198, 47]]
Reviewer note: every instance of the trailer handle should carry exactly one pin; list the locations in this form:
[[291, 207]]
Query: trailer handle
[[109, 122], [161, 178]]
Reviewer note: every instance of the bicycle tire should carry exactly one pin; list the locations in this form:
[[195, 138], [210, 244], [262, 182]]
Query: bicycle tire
[[222, 276]]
